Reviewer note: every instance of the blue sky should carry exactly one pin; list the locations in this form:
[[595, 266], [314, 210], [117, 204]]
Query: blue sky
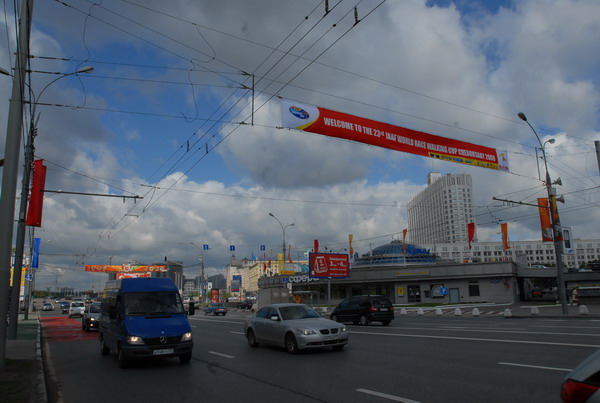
[[168, 76]]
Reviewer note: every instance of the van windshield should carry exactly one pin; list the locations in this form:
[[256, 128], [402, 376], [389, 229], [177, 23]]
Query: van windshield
[[153, 303]]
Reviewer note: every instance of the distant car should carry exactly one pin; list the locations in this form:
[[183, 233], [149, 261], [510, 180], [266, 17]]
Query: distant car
[[47, 307], [90, 317], [581, 384], [364, 309], [537, 293], [76, 308], [538, 266], [295, 327], [246, 304], [215, 308], [64, 307]]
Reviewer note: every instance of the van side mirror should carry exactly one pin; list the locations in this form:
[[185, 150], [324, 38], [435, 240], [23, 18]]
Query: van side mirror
[[192, 308]]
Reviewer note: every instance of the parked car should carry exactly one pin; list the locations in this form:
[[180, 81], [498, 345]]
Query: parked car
[[295, 327], [364, 309], [246, 304], [76, 308], [581, 384], [64, 307], [47, 307], [215, 308], [89, 319]]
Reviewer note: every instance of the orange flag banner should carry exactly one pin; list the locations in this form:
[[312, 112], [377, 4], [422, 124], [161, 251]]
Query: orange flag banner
[[504, 229], [545, 223]]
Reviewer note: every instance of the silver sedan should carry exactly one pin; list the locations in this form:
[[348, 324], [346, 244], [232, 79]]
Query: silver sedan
[[295, 327]]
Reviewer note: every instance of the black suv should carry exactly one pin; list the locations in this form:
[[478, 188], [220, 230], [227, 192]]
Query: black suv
[[364, 309]]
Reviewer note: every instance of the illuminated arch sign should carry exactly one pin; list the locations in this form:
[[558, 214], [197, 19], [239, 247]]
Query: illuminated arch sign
[[319, 120], [126, 268]]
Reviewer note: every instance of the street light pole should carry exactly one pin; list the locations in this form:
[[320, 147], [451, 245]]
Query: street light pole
[[283, 229], [21, 227], [555, 220], [11, 167]]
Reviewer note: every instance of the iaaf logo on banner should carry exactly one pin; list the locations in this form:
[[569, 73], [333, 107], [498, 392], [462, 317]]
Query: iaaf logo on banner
[[327, 122]]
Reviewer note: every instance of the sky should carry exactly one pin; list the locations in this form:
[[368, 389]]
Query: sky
[[168, 114]]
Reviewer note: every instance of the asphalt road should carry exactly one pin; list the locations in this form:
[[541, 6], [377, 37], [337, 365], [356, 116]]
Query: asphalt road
[[415, 359]]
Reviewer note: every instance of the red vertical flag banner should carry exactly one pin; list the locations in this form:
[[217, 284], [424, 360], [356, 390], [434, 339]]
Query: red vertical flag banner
[[404, 231], [545, 223], [36, 201], [316, 246], [504, 229], [323, 121], [471, 232]]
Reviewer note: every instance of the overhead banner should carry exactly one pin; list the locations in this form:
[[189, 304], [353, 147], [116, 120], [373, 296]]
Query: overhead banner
[[319, 120], [126, 268]]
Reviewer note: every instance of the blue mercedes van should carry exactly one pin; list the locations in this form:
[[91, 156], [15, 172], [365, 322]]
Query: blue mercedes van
[[144, 318]]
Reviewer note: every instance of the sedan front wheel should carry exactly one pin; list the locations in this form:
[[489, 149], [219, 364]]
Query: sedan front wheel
[[251, 337], [291, 345]]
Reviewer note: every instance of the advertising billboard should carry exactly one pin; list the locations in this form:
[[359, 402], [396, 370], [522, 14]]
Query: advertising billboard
[[328, 265]]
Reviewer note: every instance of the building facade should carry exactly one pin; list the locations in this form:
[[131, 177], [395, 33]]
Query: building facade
[[534, 252], [441, 212]]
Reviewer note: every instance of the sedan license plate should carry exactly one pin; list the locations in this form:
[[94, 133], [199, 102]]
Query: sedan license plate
[[163, 351]]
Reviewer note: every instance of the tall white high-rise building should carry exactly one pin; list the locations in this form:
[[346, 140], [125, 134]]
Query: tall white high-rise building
[[441, 212]]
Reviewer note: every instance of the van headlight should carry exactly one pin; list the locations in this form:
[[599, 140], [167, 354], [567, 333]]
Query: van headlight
[[135, 340], [306, 331], [186, 336]]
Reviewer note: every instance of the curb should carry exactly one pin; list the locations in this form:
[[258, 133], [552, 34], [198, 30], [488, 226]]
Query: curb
[[42, 394]]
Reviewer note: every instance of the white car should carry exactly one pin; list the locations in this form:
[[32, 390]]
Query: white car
[[76, 308]]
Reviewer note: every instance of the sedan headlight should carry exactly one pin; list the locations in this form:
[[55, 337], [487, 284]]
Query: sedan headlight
[[135, 340], [343, 329], [306, 331], [186, 336]]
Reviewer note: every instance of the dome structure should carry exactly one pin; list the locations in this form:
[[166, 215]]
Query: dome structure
[[394, 253]]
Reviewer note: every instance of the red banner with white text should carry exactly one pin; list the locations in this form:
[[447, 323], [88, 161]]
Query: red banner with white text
[[315, 119]]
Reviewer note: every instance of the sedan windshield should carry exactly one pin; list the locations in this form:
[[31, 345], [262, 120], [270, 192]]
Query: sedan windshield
[[298, 312], [152, 303]]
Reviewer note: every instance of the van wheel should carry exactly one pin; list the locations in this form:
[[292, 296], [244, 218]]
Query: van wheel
[[123, 362], [291, 345], [364, 321], [104, 350], [186, 358]]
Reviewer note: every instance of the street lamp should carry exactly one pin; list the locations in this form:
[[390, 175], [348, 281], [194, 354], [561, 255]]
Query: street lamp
[[20, 237], [283, 229], [555, 220]]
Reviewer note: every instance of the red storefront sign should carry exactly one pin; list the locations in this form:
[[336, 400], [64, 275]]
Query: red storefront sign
[[325, 265]]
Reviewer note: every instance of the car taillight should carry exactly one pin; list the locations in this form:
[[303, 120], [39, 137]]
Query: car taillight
[[576, 392], [373, 309]]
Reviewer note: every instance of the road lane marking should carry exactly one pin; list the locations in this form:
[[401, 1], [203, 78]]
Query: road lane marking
[[386, 396], [221, 354], [426, 336], [535, 366], [242, 333], [475, 330], [217, 320]]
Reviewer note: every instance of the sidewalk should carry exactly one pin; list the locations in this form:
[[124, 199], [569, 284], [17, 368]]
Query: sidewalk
[[22, 378]]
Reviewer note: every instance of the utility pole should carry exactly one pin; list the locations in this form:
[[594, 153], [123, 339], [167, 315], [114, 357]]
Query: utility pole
[[11, 167]]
